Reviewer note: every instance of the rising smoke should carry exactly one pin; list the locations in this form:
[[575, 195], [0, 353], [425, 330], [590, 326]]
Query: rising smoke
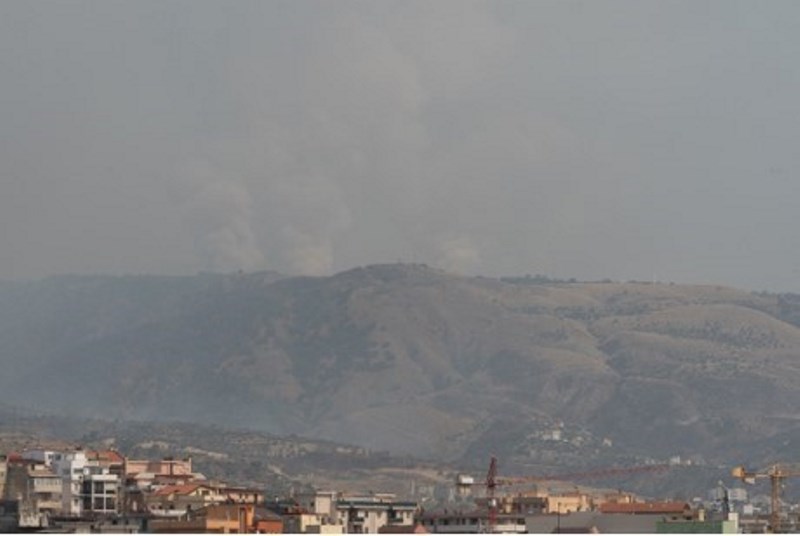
[[220, 213]]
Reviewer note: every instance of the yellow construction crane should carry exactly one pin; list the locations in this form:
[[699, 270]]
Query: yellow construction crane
[[776, 474]]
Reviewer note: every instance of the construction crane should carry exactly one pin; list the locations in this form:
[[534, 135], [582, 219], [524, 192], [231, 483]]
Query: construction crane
[[776, 474], [491, 484], [493, 481]]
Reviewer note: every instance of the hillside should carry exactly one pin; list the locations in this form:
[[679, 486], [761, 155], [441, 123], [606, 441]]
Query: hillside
[[245, 457], [414, 360]]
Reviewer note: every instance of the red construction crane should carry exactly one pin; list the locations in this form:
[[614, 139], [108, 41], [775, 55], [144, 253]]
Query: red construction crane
[[493, 481]]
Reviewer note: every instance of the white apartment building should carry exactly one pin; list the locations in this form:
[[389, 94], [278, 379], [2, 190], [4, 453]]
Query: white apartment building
[[317, 514], [87, 488], [368, 513], [70, 466]]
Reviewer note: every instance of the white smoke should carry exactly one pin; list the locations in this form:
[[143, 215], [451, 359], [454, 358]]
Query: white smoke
[[219, 211], [459, 255], [342, 156], [307, 253]]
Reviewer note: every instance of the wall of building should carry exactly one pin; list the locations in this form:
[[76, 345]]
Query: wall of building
[[100, 493], [275, 526], [3, 470], [565, 504], [70, 468], [159, 467]]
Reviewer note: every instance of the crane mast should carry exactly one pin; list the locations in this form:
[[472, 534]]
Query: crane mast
[[491, 485], [776, 474], [493, 481]]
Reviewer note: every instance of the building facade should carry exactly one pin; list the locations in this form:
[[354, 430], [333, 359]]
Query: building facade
[[368, 513]]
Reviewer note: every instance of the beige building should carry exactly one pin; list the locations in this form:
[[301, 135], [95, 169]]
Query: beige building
[[307, 523], [220, 518], [315, 513], [329, 512], [167, 466], [177, 501], [566, 503]]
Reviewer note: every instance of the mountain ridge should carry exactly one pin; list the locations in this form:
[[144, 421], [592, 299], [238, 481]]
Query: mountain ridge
[[412, 359]]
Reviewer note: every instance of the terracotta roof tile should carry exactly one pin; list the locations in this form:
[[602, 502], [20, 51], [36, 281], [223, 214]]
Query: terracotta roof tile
[[105, 456]]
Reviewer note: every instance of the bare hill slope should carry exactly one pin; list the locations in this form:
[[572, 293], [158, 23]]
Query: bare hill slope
[[414, 360]]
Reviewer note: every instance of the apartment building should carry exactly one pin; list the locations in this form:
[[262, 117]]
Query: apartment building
[[100, 493], [35, 489], [368, 513], [313, 513], [88, 485]]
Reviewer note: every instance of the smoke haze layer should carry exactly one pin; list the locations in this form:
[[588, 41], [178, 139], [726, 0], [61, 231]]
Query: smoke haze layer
[[621, 139]]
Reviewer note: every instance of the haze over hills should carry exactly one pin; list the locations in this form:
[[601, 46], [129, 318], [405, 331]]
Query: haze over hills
[[417, 361], [247, 457]]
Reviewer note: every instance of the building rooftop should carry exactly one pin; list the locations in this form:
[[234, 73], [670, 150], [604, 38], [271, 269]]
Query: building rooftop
[[180, 489], [450, 514], [361, 503], [111, 456], [402, 529], [665, 507]]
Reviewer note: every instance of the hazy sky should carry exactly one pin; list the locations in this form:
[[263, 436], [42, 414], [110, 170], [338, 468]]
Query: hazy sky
[[578, 139]]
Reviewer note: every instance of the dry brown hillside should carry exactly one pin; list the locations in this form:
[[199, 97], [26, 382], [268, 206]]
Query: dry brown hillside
[[414, 360]]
